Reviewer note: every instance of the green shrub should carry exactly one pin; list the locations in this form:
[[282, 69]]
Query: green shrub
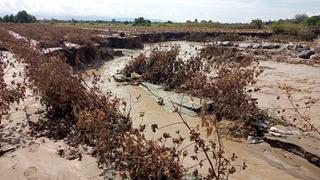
[[257, 23], [286, 28], [313, 21], [21, 17], [142, 22], [293, 31]]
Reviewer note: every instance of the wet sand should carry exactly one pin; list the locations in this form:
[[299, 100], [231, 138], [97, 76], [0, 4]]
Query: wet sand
[[305, 81], [263, 161], [31, 158], [37, 158]]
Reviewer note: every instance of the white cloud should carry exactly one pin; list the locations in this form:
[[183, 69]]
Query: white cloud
[[218, 10]]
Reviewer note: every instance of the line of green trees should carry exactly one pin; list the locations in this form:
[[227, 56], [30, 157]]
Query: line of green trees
[[20, 17], [301, 27], [300, 19]]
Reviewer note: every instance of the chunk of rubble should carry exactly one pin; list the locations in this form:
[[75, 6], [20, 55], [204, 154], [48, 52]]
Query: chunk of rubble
[[288, 46], [270, 46], [256, 46], [300, 48], [218, 43], [254, 140], [245, 45], [120, 78], [227, 43], [306, 54], [72, 45], [135, 76], [281, 131], [51, 50]]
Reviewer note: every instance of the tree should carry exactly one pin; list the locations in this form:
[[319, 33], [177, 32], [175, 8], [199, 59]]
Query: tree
[[139, 20], [257, 23], [188, 21], [313, 21], [6, 18], [142, 21], [0, 19], [24, 17], [300, 18], [73, 21], [11, 18], [196, 21]]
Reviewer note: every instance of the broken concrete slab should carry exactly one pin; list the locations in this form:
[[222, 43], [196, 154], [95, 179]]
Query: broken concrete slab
[[189, 105], [256, 46], [72, 45], [120, 78], [135, 76], [281, 131], [303, 146], [227, 43], [245, 45], [51, 50]]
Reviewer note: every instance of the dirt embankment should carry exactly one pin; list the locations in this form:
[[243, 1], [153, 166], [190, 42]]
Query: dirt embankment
[[196, 36]]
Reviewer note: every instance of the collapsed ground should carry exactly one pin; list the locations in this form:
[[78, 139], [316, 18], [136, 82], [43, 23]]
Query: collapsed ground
[[155, 114]]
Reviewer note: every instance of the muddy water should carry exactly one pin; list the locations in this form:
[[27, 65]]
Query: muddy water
[[263, 161]]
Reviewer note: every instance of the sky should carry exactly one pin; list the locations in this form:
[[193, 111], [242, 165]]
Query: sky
[[174, 10]]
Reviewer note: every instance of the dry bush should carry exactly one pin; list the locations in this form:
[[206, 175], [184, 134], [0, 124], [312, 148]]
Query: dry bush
[[126, 148], [50, 77], [93, 118], [9, 93], [165, 68], [228, 92], [137, 65], [90, 117], [301, 118], [220, 166], [227, 89], [51, 36], [160, 67]]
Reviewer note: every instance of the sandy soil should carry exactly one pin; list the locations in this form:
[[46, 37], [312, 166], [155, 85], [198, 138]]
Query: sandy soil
[[31, 158], [38, 159], [263, 161], [305, 83]]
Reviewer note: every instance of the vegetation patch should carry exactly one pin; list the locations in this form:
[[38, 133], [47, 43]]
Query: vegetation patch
[[227, 87], [83, 114]]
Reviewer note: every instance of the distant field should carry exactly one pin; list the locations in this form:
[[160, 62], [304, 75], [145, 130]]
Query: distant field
[[168, 27]]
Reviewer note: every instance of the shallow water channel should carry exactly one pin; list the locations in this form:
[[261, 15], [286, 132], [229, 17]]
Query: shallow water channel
[[263, 161]]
